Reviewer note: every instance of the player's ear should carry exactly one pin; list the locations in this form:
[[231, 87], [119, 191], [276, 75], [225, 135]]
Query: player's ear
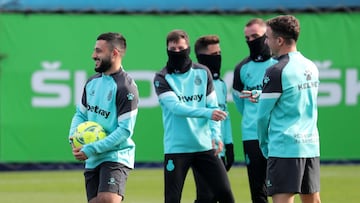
[[115, 52], [280, 41]]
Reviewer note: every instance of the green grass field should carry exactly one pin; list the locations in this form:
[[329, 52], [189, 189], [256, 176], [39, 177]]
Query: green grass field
[[339, 184]]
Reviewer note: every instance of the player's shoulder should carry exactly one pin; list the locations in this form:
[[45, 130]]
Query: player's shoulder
[[199, 66], [93, 78], [122, 75], [282, 62], [161, 73], [159, 80], [244, 61], [301, 57], [124, 80]]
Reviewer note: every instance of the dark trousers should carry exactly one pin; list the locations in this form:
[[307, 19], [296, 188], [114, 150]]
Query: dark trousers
[[205, 165], [256, 168], [203, 192]]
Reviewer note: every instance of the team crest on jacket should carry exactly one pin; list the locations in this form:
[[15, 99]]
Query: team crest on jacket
[[308, 74], [248, 75], [92, 93], [109, 96], [198, 80]]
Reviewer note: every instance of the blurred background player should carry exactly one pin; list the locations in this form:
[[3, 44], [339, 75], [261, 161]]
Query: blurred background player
[[208, 53], [110, 98], [190, 114], [248, 75], [287, 117]]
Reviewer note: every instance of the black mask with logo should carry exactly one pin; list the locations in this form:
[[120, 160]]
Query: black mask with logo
[[178, 62], [259, 51], [213, 62]]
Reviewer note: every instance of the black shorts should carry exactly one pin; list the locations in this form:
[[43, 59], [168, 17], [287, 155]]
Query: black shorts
[[293, 175], [107, 177]]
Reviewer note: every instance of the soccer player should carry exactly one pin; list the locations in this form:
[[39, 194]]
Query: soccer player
[[248, 75], [110, 98], [190, 113], [287, 117], [208, 53]]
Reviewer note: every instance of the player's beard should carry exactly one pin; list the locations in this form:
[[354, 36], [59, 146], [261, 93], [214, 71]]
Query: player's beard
[[105, 65]]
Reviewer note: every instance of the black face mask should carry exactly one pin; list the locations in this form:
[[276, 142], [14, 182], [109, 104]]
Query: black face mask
[[178, 62], [259, 51], [213, 62], [104, 66]]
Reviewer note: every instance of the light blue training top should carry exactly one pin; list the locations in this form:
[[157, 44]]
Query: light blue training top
[[187, 101], [111, 101], [225, 125], [287, 114], [248, 75]]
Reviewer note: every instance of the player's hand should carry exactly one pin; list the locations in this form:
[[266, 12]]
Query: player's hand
[[245, 94], [217, 146], [229, 153], [254, 98], [218, 115], [228, 159], [71, 142], [253, 95], [79, 155]]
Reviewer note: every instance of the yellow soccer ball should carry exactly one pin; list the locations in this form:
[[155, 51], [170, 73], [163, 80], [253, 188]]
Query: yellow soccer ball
[[88, 132]]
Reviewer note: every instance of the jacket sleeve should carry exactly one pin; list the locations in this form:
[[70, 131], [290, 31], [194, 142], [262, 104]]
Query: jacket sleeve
[[79, 116], [266, 104]]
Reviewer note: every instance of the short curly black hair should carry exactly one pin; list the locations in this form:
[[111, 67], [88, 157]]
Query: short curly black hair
[[285, 26]]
